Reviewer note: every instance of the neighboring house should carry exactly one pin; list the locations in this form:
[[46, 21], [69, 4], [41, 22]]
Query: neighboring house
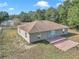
[[41, 30], [7, 23]]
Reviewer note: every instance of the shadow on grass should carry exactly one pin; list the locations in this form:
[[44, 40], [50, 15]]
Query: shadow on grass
[[46, 42], [70, 34], [42, 41]]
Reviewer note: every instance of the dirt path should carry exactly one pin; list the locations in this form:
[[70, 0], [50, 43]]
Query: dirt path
[[29, 47]]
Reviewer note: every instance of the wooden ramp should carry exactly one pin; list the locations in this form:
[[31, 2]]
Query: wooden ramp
[[65, 45]]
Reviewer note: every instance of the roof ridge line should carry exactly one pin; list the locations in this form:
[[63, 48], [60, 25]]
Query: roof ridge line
[[32, 26]]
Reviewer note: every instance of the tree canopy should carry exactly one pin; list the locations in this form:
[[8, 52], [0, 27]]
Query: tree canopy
[[67, 13], [3, 16]]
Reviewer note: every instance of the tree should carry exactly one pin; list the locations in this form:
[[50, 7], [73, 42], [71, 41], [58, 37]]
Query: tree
[[4, 16], [73, 14], [40, 14], [51, 14], [69, 13], [24, 17]]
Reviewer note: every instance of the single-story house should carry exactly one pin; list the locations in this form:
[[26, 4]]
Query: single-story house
[[41, 30], [7, 23]]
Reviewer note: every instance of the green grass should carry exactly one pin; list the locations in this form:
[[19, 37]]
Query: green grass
[[11, 48], [9, 41]]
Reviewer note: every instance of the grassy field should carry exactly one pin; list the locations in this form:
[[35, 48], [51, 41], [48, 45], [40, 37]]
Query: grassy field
[[13, 48]]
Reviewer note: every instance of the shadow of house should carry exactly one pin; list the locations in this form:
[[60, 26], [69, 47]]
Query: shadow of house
[[69, 35], [42, 41]]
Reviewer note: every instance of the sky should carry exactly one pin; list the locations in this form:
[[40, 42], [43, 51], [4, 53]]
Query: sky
[[16, 6]]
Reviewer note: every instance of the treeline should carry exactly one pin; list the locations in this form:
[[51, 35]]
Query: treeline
[[67, 13], [49, 14]]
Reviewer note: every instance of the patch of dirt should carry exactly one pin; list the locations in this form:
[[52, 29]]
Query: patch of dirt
[[29, 47]]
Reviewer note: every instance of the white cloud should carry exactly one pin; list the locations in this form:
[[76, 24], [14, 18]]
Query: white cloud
[[42, 4], [3, 4], [58, 4], [11, 9]]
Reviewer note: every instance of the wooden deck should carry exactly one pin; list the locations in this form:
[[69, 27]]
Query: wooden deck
[[66, 45]]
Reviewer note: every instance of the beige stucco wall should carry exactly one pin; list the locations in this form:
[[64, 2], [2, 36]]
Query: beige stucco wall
[[22, 33]]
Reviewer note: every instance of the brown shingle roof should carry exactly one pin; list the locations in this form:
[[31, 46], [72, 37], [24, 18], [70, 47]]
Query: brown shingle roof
[[40, 26]]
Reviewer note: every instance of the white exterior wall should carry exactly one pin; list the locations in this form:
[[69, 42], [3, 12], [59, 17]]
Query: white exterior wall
[[34, 36], [59, 32], [47, 35], [62, 31], [22, 33]]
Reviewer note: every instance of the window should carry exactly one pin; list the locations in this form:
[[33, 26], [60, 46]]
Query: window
[[39, 36], [65, 31], [25, 34]]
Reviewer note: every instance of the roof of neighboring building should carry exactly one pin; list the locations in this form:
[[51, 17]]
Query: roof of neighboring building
[[41, 26]]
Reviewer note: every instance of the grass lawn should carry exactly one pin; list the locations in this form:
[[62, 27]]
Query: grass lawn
[[13, 48]]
